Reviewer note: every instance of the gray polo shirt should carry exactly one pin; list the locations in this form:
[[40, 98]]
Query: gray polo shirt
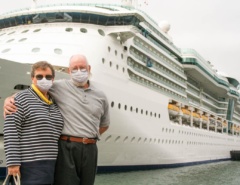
[[83, 110]]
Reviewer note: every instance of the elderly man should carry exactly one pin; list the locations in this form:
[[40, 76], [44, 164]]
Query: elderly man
[[86, 116]]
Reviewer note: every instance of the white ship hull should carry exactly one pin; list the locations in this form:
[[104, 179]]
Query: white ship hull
[[141, 134]]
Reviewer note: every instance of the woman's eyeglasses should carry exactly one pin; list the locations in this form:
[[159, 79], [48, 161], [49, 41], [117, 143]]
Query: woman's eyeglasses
[[40, 77]]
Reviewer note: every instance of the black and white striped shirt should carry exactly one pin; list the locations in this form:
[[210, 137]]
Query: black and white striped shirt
[[32, 133]]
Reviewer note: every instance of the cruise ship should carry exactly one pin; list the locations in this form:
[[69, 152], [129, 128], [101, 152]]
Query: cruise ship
[[169, 107]]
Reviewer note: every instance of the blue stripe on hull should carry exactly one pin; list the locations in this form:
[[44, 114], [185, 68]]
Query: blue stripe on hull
[[109, 169]]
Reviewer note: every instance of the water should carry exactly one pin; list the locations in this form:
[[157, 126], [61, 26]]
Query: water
[[222, 173]]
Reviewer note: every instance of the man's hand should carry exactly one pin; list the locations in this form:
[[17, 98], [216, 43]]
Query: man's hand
[[14, 170], [9, 106]]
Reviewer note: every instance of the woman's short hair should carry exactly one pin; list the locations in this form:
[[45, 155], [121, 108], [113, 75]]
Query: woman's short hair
[[42, 65]]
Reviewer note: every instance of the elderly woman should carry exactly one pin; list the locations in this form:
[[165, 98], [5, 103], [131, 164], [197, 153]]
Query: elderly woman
[[31, 133]]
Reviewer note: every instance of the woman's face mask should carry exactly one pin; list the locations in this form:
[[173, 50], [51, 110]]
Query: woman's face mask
[[44, 85]]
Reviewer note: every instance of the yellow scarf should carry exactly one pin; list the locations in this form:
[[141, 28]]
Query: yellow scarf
[[39, 93]]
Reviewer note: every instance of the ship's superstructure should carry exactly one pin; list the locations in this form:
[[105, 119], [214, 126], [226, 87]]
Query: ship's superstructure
[[168, 106]]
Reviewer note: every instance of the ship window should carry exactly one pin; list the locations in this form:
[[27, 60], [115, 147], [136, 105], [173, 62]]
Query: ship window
[[117, 67], [131, 109], [10, 40], [123, 69], [101, 32], [159, 115], [21, 87], [68, 29], [37, 30], [119, 106], [23, 39], [35, 50], [83, 30], [58, 51], [2, 34], [112, 104], [141, 111], [122, 56], [116, 52], [125, 139], [25, 31], [109, 49], [146, 112], [136, 110], [139, 140], [117, 139], [125, 107], [110, 63], [6, 50], [103, 60], [11, 33]]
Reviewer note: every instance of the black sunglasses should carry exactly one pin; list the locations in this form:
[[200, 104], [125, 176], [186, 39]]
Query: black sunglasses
[[40, 77]]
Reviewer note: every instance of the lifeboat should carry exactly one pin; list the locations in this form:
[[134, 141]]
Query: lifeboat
[[196, 117], [186, 113], [204, 119], [173, 110]]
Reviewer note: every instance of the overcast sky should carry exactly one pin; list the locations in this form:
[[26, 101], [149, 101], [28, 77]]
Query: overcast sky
[[211, 27]]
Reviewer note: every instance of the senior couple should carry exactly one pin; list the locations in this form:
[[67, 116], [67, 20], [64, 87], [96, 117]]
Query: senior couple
[[51, 128]]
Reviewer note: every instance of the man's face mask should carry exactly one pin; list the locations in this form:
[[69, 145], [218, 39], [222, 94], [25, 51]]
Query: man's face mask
[[80, 76]]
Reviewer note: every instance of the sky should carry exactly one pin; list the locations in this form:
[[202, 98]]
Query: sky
[[211, 27]]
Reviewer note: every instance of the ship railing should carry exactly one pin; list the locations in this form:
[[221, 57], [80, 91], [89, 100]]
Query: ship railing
[[160, 57], [153, 74]]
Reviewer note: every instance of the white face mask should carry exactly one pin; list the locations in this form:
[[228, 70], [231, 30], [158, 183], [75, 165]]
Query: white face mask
[[44, 85], [81, 77]]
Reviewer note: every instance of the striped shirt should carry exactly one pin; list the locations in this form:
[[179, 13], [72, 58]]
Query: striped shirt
[[31, 134]]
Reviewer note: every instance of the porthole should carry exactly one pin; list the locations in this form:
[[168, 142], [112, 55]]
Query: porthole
[[145, 140], [23, 39], [25, 31], [139, 140], [146, 112], [58, 51], [136, 110], [159, 116], [117, 67], [83, 30], [112, 104], [109, 49], [117, 139], [35, 50], [68, 29], [131, 109], [37, 30], [141, 111], [151, 114], [119, 106], [132, 140], [101, 32], [123, 69], [6, 50], [11, 33], [103, 60], [122, 56], [125, 139], [108, 138], [2, 34], [10, 40], [125, 107], [116, 52], [110, 63]]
